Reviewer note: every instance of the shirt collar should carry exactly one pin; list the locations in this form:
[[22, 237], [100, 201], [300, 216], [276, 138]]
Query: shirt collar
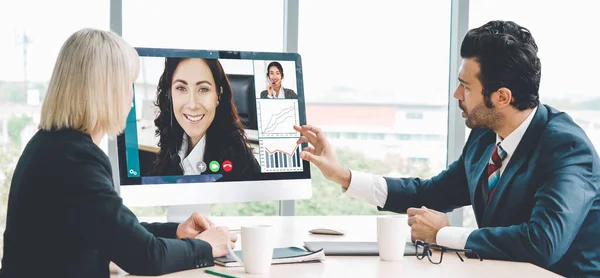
[[281, 92], [195, 156], [510, 143]]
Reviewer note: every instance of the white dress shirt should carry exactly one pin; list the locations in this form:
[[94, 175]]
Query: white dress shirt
[[189, 163], [281, 93], [373, 189]]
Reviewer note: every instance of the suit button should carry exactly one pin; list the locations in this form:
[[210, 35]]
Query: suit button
[[197, 264]]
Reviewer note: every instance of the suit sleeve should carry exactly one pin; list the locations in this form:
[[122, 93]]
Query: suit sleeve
[[103, 221], [293, 94], [444, 192], [561, 205], [166, 230], [264, 94]]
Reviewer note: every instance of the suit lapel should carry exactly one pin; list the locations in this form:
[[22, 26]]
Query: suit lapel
[[519, 157], [480, 171]]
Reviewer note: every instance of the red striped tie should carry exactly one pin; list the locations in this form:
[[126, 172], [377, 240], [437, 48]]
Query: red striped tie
[[493, 169]]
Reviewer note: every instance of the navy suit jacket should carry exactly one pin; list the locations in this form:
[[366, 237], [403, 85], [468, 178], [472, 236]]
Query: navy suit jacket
[[546, 206]]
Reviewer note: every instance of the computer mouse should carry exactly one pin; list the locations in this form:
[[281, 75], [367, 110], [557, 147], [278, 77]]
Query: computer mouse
[[327, 231]]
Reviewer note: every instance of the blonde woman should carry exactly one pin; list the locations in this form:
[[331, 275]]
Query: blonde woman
[[64, 218]]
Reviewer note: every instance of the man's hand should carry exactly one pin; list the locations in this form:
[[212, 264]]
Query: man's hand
[[217, 238], [322, 155], [196, 224], [425, 223]]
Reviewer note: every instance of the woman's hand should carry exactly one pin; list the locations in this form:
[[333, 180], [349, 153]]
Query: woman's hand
[[194, 225], [270, 89], [217, 238]]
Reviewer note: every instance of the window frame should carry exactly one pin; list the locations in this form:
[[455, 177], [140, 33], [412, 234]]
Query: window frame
[[456, 129]]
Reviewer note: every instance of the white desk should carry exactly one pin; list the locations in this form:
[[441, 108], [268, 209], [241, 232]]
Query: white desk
[[293, 231]]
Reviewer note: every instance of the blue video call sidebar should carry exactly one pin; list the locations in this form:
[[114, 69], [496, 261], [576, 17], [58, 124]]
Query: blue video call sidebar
[[131, 143]]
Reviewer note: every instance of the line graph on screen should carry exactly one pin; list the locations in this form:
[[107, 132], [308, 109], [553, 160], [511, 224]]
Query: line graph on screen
[[276, 118]]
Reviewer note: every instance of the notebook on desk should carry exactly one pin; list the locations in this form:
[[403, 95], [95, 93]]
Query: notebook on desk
[[280, 256], [346, 248]]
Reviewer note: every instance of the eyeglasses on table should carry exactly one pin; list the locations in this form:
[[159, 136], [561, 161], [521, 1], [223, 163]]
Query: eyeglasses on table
[[437, 259]]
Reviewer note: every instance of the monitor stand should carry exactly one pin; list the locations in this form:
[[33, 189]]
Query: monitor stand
[[180, 213]]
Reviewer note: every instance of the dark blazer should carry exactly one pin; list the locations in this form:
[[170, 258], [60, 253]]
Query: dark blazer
[[66, 220], [546, 206], [288, 93]]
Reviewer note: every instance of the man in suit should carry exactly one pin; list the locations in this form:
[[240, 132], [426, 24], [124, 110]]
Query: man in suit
[[530, 172]]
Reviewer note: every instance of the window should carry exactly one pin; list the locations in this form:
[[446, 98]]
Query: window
[[350, 135], [422, 160], [376, 136], [568, 63], [403, 137], [31, 39], [370, 56], [219, 25], [433, 137], [333, 135], [414, 115]]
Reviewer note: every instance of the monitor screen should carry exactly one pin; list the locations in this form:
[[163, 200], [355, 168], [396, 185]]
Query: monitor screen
[[202, 116]]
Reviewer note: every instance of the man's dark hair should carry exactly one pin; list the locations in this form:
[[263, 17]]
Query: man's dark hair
[[277, 65], [507, 55]]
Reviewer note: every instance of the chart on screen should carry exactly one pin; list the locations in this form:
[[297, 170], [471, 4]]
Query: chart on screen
[[280, 155], [276, 118]]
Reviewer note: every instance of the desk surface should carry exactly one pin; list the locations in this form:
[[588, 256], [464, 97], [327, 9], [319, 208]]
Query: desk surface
[[293, 231]]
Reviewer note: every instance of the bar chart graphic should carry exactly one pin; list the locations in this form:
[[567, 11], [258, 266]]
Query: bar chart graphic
[[280, 155], [276, 117]]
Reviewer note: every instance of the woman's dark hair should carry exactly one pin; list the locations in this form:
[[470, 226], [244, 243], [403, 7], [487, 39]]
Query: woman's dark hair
[[507, 56], [275, 64], [225, 137]]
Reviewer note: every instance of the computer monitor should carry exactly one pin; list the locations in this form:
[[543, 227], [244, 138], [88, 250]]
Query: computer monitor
[[215, 133]]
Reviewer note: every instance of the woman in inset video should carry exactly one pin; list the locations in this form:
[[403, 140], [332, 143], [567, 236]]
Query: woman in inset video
[[198, 123], [274, 88]]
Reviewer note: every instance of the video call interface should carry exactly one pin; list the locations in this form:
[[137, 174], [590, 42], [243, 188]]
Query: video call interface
[[210, 120]]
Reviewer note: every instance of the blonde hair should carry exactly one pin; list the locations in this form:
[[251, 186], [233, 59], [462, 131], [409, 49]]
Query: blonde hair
[[90, 85]]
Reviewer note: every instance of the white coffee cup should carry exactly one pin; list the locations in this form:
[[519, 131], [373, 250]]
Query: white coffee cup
[[391, 237], [257, 248]]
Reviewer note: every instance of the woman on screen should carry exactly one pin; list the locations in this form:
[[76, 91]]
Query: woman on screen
[[198, 122], [274, 88], [63, 207]]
